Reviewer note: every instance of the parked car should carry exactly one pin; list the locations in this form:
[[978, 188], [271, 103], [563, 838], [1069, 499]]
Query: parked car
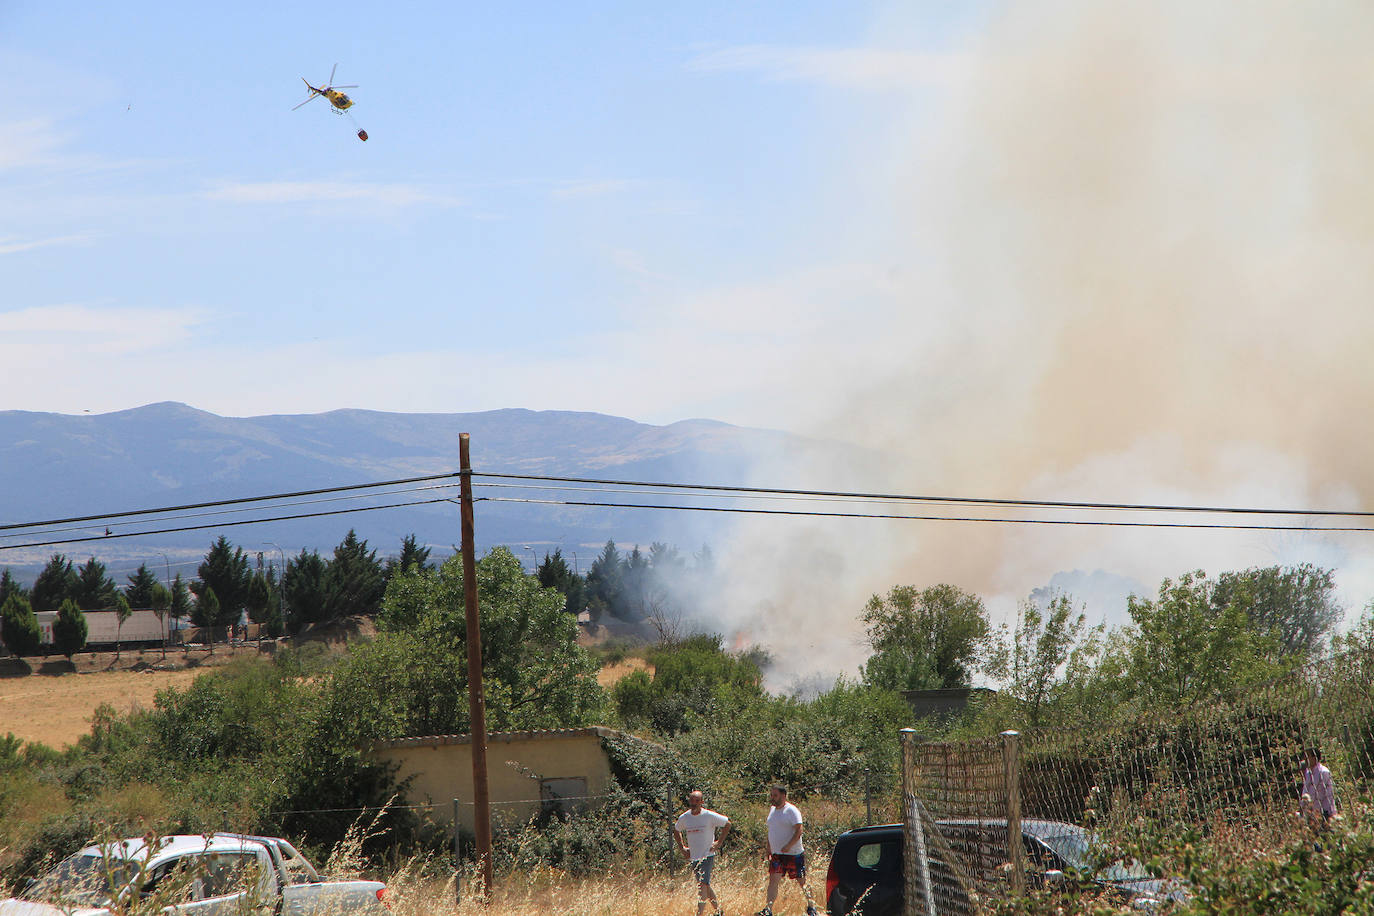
[[214, 875], [866, 868]]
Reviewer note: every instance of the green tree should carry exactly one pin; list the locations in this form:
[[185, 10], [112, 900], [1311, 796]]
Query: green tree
[[139, 591], [1049, 649], [69, 629], [259, 599], [1181, 649], [160, 598], [19, 626], [1298, 603], [10, 586], [412, 678], [605, 583], [412, 554], [225, 570], [924, 639], [353, 581], [122, 613], [304, 590], [94, 589], [207, 612], [180, 604], [555, 573], [56, 582]]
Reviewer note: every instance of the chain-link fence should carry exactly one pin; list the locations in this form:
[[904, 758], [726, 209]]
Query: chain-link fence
[[993, 817]]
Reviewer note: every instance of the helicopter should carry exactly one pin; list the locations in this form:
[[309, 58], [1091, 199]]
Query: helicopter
[[336, 98]]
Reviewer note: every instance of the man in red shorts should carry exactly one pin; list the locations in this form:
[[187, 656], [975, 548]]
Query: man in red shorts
[[786, 858]]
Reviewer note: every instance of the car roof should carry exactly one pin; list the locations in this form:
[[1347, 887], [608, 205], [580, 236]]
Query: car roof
[[137, 847]]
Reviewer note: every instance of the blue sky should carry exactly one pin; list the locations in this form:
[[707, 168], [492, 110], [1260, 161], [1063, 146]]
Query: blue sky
[[1056, 249], [557, 206]]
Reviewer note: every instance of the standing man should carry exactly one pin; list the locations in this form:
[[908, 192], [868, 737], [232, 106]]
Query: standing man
[[786, 859], [1317, 784], [695, 830]]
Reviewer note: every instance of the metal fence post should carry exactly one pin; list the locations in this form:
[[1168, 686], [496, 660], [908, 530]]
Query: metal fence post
[[918, 898], [1011, 778]]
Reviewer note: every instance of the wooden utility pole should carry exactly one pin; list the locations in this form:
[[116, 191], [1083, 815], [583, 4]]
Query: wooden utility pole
[[477, 708]]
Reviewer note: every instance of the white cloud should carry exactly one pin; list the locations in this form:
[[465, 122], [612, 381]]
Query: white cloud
[[13, 245], [289, 192], [848, 68], [32, 340], [30, 142]]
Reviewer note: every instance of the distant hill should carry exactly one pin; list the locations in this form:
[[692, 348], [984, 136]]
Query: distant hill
[[55, 466]]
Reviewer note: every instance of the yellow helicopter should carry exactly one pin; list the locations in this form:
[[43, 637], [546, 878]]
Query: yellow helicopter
[[336, 98]]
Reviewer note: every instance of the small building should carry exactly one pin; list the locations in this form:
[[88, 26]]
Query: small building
[[944, 703], [526, 772]]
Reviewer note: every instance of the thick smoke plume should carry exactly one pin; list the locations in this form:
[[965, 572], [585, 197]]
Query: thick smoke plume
[[1132, 260]]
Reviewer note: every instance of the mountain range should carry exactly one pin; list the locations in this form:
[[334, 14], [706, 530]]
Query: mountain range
[[65, 467]]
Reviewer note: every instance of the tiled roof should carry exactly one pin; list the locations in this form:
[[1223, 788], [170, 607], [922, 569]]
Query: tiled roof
[[593, 731]]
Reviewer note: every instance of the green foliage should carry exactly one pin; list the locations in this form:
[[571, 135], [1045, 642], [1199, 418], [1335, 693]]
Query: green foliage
[[1182, 648], [1043, 662], [304, 587], [692, 678], [353, 580], [141, 588], [555, 573], [19, 626], [56, 582], [1296, 603], [180, 604], [924, 639], [207, 610], [259, 598], [412, 555], [412, 679], [93, 590], [10, 586], [69, 629], [224, 571]]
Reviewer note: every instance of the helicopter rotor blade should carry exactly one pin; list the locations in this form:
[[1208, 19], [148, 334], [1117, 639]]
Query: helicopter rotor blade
[[331, 75], [350, 86], [307, 101]]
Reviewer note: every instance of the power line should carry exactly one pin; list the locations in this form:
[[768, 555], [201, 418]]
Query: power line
[[251, 521], [227, 502], [966, 500], [923, 518]]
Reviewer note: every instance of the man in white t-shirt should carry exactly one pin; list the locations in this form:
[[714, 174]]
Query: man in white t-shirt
[[695, 830], [786, 858]]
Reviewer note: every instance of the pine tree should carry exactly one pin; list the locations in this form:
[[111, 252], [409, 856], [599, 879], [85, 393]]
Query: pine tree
[[180, 604], [605, 582], [94, 589], [19, 626], [303, 589], [10, 586], [225, 569], [69, 629], [55, 584], [412, 554], [140, 588], [353, 582], [207, 611]]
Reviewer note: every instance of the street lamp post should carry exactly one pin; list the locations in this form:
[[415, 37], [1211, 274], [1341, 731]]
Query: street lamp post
[[167, 567], [281, 589]]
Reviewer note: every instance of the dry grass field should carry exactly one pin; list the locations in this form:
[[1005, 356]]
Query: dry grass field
[[54, 703]]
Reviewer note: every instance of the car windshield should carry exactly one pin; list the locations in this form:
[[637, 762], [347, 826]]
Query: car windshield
[[79, 880], [1075, 846]]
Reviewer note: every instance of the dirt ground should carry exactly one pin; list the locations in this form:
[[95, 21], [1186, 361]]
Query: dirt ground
[[51, 700]]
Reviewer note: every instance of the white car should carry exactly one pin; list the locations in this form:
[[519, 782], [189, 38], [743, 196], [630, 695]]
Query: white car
[[197, 876]]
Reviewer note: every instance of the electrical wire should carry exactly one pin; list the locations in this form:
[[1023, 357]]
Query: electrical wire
[[228, 502], [926, 518], [968, 500], [229, 524]]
